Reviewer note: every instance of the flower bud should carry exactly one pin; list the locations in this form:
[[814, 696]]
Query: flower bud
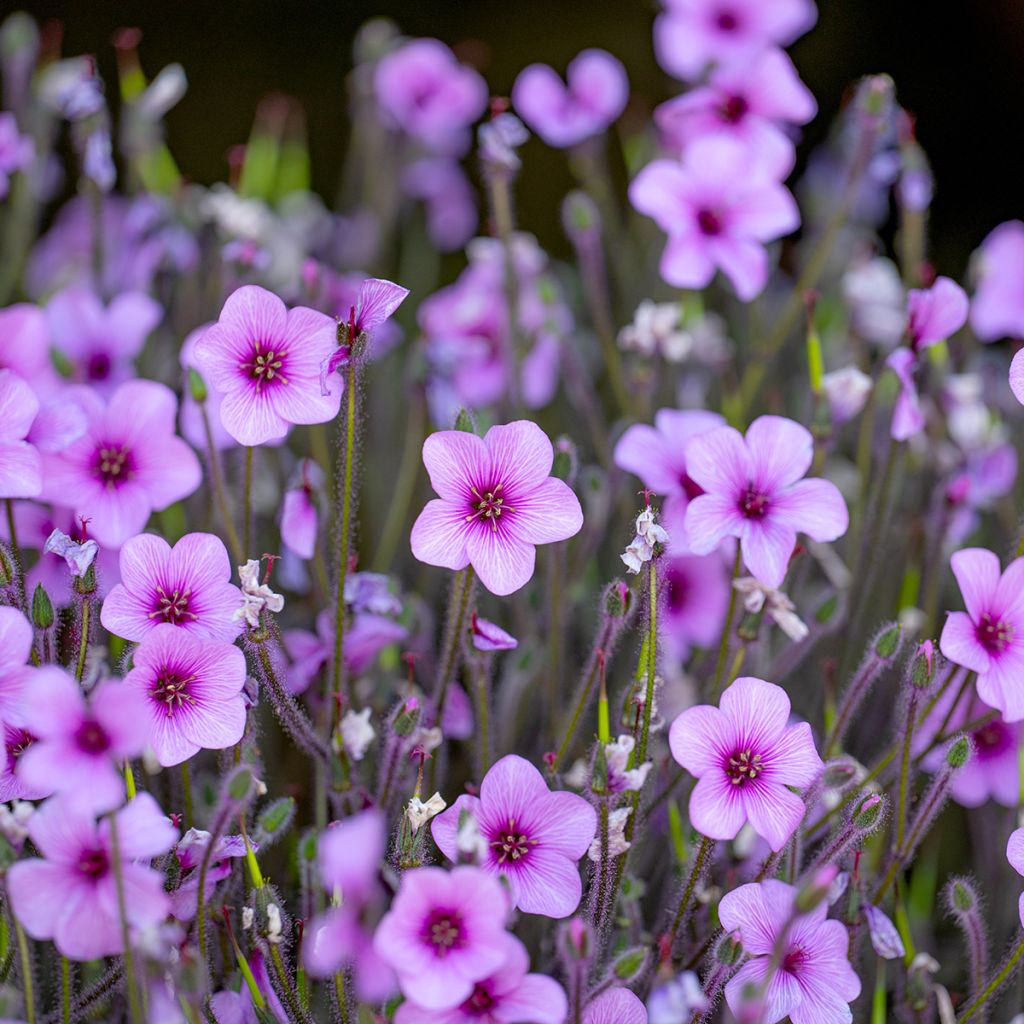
[[839, 773], [580, 215], [407, 717], [868, 814], [816, 890], [566, 462], [961, 895], [630, 965], [729, 949], [887, 643], [922, 668], [576, 939], [958, 753], [42, 608], [464, 422], [196, 385], [617, 599], [884, 937]]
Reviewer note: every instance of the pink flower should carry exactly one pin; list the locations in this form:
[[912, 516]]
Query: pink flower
[[935, 314], [265, 361], [989, 637], [25, 346], [657, 455], [188, 586], [907, 414], [16, 150], [815, 983], [534, 836], [429, 95], [497, 501], [691, 34], [20, 464], [1015, 855], [755, 492], [70, 896], [16, 740], [745, 757], [696, 599], [193, 690], [749, 102], [444, 933], [509, 994], [617, 1006], [101, 342], [16, 676], [586, 104], [80, 748], [718, 208], [192, 427], [997, 309], [127, 465], [448, 199], [487, 636], [300, 517]]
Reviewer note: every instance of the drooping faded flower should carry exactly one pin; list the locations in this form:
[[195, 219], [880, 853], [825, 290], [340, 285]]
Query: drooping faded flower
[[535, 837], [445, 932], [746, 757], [815, 982], [20, 464], [70, 896], [989, 637], [755, 491], [497, 501], [264, 359], [127, 465], [193, 691], [187, 585]]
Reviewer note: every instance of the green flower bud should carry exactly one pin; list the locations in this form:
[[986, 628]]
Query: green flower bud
[[42, 608]]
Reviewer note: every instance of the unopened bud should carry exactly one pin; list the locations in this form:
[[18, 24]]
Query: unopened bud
[[577, 939], [816, 890], [868, 815], [875, 93], [617, 599], [630, 965], [42, 608], [566, 461], [407, 718], [729, 949], [958, 753], [922, 669], [961, 896], [196, 385], [580, 215], [887, 643], [839, 773], [464, 422]]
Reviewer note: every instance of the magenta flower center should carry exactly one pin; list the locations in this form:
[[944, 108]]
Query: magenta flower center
[[172, 689], [511, 843], [91, 737], [794, 960], [753, 504], [991, 739], [17, 741], [993, 634], [488, 505], [172, 607], [734, 109], [709, 222], [114, 465], [444, 932], [98, 366], [479, 1003], [744, 766], [265, 367], [93, 863]]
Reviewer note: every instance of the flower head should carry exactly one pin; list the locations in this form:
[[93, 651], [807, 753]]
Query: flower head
[[815, 981], [187, 586], [497, 501], [78, 557], [989, 637], [127, 465], [718, 208], [256, 596], [696, 599], [755, 492], [745, 756], [265, 361], [486, 636], [20, 465], [445, 932], [997, 309], [586, 104], [535, 836], [193, 692], [936, 313], [70, 896]]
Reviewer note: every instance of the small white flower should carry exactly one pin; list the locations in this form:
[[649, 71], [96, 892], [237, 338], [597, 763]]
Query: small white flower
[[617, 842], [78, 556], [620, 775], [419, 813], [778, 606], [274, 930], [641, 549], [428, 740], [13, 821], [255, 595], [656, 330], [847, 391], [470, 844], [247, 918], [356, 733]]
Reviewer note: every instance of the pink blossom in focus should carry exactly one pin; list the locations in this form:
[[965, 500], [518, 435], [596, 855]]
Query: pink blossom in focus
[[188, 586], [586, 104], [746, 757], [989, 637], [127, 465], [718, 210], [535, 836], [70, 895], [497, 501], [755, 491], [815, 982]]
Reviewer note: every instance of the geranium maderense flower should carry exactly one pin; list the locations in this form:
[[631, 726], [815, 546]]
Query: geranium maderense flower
[[617, 1006], [534, 836], [193, 690], [16, 636], [509, 994], [755, 492], [815, 982], [445, 931], [187, 585], [20, 464], [719, 208], [989, 637], [497, 501], [127, 465], [80, 747], [745, 757], [997, 309], [71, 896], [264, 359], [1015, 855], [592, 96]]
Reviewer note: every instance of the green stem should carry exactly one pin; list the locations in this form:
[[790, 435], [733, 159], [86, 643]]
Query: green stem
[[135, 1007], [901, 803], [247, 506], [723, 645], [19, 573], [26, 971], [83, 643], [339, 992], [1005, 972], [337, 676], [453, 640], [652, 657], [219, 492], [584, 698], [703, 850], [286, 986], [186, 785]]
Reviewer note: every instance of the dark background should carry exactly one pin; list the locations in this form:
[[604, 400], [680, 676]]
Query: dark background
[[957, 66]]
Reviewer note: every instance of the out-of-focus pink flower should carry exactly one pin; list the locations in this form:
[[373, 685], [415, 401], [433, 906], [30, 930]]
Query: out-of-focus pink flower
[[441, 184], [718, 210], [192, 426], [300, 516], [489, 637], [585, 104], [936, 313], [616, 1006], [16, 150], [1015, 855], [696, 599], [20, 464], [997, 309], [25, 347], [907, 414]]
